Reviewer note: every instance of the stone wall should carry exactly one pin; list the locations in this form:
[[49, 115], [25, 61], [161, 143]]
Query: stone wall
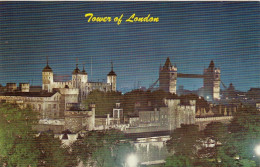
[[202, 122], [78, 120]]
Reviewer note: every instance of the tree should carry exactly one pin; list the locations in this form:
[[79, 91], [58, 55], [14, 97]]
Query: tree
[[17, 139], [214, 152], [234, 145], [200, 101], [103, 148], [52, 153], [130, 98], [178, 161], [158, 96], [185, 141], [19, 145], [216, 131], [104, 101], [143, 97], [245, 134]]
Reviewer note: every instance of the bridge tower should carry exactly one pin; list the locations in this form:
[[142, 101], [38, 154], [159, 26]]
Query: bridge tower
[[211, 82], [168, 77]]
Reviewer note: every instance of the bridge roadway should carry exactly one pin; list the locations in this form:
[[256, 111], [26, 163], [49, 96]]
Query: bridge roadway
[[181, 75]]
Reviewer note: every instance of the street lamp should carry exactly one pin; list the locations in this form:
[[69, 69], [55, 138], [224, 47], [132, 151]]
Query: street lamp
[[257, 150], [132, 161]]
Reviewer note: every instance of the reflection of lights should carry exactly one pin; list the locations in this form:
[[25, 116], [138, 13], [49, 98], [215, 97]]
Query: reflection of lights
[[257, 150], [132, 161]]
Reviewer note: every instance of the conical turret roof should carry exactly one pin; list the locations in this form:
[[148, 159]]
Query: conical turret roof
[[76, 70], [83, 71], [47, 68], [167, 63], [211, 65], [111, 73]]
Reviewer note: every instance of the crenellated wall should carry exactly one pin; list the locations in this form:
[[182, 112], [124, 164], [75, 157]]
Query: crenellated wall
[[202, 122]]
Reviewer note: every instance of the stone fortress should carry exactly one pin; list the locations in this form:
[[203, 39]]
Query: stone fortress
[[60, 104], [78, 82]]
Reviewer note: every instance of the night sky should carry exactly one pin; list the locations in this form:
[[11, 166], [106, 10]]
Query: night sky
[[190, 33]]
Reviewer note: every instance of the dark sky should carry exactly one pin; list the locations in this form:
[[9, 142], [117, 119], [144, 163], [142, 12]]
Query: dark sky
[[190, 33]]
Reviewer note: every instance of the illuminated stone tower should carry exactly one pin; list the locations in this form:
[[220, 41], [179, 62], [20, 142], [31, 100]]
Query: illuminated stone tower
[[111, 78], [76, 77], [47, 78], [168, 77], [211, 82]]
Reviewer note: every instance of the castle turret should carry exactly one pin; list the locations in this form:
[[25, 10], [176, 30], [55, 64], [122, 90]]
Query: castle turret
[[47, 78], [84, 76], [111, 78], [76, 77], [168, 77], [24, 87]]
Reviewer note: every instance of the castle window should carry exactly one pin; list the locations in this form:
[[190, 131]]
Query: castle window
[[54, 106]]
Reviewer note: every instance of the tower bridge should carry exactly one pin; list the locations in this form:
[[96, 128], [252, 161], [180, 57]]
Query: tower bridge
[[211, 80]]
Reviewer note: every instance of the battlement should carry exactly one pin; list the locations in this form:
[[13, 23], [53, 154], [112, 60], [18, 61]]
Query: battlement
[[24, 87], [185, 107], [177, 102], [172, 102], [171, 69], [69, 91]]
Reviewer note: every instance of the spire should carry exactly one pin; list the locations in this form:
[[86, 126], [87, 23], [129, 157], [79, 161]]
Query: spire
[[47, 68], [76, 71], [211, 66], [83, 71], [112, 70], [111, 65], [167, 63], [83, 68]]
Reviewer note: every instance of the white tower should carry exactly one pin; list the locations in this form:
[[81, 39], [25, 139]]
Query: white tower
[[111, 78]]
